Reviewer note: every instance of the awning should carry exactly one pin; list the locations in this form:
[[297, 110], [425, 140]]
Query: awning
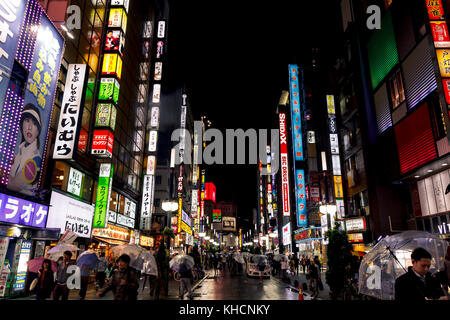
[[110, 241]]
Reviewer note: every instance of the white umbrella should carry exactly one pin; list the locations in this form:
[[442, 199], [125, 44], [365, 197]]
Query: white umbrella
[[138, 255], [238, 257], [180, 259], [150, 266], [58, 250]]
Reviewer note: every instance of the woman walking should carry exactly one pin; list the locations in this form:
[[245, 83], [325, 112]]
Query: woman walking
[[46, 281]]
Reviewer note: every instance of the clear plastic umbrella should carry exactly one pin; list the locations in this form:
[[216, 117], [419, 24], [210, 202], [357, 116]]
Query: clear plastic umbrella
[[150, 266], [58, 250], [180, 259], [238, 257], [391, 257], [138, 255]]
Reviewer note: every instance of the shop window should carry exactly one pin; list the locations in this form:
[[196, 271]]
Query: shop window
[[60, 176], [121, 204], [158, 180], [435, 221], [396, 88], [427, 225], [113, 201], [86, 191]]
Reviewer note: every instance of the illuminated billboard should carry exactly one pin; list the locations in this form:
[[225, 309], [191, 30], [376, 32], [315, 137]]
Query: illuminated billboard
[[301, 198], [112, 65], [103, 195], [102, 143], [296, 117], [284, 165], [106, 115], [210, 192]]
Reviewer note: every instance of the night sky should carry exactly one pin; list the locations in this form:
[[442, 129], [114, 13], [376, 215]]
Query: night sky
[[233, 56]]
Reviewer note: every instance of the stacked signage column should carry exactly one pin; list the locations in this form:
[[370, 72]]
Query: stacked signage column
[[106, 106], [441, 38], [148, 188], [195, 214]]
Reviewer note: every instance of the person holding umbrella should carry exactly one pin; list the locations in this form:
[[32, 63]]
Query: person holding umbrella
[[124, 282], [418, 284], [100, 271], [185, 280], [61, 289], [46, 281]]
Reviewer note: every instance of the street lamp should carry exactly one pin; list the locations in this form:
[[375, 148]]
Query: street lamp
[[169, 206], [207, 238], [202, 235]]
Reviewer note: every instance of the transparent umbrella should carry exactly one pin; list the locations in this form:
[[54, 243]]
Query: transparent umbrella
[[150, 266], [238, 257], [180, 259], [138, 255], [391, 257]]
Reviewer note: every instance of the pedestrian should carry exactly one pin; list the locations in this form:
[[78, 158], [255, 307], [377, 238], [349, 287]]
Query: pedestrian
[[283, 267], [261, 268], [124, 282], [185, 280], [296, 264], [100, 271], [46, 281], [223, 263], [162, 281], [417, 284], [84, 281], [313, 278], [303, 263], [215, 261], [61, 289], [292, 264], [318, 264]]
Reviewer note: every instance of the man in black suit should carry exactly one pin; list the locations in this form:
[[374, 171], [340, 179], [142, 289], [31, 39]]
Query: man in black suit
[[418, 284]]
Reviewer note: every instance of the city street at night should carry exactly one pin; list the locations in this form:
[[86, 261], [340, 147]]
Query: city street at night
[[186, 154]]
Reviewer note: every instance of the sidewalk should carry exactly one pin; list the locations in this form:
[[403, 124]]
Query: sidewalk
[[143, 292], [301, 279]]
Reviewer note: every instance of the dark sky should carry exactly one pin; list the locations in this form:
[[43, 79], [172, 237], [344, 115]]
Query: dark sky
[[234, 56]]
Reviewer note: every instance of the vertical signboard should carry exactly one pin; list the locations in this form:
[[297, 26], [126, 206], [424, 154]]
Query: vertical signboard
[[21, 274], [71, 112], [147, 202], [284, 165], [301, 197], [294, 91], [103, 195]]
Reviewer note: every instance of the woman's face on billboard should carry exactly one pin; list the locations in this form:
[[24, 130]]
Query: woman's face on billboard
[[30, 130]]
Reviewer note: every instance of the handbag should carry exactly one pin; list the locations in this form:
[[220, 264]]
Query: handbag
[[34, 283]]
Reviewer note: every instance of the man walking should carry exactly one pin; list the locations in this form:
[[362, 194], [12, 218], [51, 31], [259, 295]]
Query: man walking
[[100, 275], [61, 289], [185, 280], [417, 284], [124, 282]]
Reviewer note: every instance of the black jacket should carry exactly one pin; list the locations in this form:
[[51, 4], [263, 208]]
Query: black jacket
[[46, 289], [129, 291], [409, 287]]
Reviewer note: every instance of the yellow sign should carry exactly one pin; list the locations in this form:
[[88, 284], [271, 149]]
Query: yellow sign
[[330, 104], [443, 56], [338, 191], [117, 18], [180, 208], [112, 64], [185, 227], [146, 241]]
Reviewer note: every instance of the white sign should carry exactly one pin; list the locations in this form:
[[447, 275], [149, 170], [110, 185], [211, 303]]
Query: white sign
[[228, 223], [151, 165], [3, 248], [124, 3], [112, 216], [105, 170], [68, 237], [340, 209], [154, 120], [334, 144], [70, 111], [311, 137], [152, 141], [74, 182], [156, 93], [287, 234], [189, 239], [147, 202], [185, 217], [432, 193], [125, 221], [194, 203], [66, 213], [336, 165], [161, 29], [158, 71], [130, 208], [355, 224]]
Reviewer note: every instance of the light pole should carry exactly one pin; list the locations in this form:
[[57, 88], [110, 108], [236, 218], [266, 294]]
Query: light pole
[[169, 206]]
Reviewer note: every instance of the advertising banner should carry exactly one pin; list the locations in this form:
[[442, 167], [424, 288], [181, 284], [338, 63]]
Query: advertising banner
[[8, 45], [114, 42], [122, 3], [154, 120], [102, 143], [228, 224], [151, 165], [161, 29], [435, 9], [103, 195], [358, 224], [112, 232], [4, 242], [296, 117], [287, 234], [284, 165], [71, 112], [152, 141], [301, 197], [32, 129], [125, 221], [21, 275], [210, 192], [112, 65], [67, 213], [117, 19], [440, 34], [74, 184], [338, 191], [106, 115]]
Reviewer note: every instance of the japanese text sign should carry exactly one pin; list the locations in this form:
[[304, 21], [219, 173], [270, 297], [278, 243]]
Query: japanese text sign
[[102, 143], [294, 91], [301, 197], [71, 111], [18, 211], [103, 195], [147, 202]]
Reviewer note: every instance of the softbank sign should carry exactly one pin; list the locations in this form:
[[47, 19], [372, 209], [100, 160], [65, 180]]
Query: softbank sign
[[213, 153], [284, 165]]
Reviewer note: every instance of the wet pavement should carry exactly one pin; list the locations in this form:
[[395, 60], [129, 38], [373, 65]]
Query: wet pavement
[[241, 287]]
